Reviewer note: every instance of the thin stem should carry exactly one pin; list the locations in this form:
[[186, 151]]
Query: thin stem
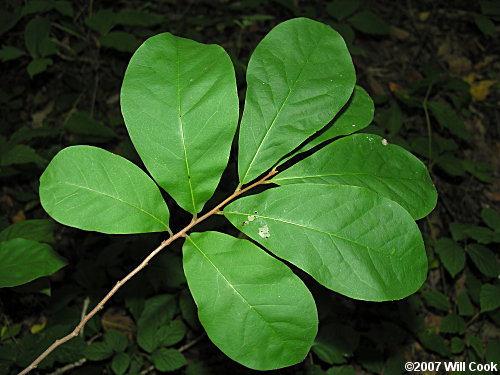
[[143, 264], [428, 122]]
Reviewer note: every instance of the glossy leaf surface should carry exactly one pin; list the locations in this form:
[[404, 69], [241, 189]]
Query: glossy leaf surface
[[298, 78], [180, 105], [367, 160], [23, 260], [252, 306], [92, 189], [348, 238]]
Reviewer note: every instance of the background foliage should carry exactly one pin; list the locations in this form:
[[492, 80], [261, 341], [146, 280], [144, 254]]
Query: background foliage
[[432, 70]]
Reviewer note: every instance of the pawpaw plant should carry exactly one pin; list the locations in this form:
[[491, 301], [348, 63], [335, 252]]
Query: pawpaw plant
[[344, 214]]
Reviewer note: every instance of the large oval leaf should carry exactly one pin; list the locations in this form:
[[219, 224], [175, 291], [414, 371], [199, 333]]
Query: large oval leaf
[[252, 306], [348, 238], [298, 78], [23, 260], [92, 189], [367, 160], [180, 105]]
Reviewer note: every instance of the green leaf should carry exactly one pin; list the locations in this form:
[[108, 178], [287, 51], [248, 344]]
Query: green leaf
[[452, 255], [101, 21], [37, 6], [355, 115], [484, 24], [340, 9], [298, 78], [448, 118], [8, 53], [180, 105], [329, 232], [335, 342], [36, 230], [121, 41], [82, 123], [241, 290], [473, 287], [98, 351], [489, 297], [464, 304], [120, 363], [168, 359], [435, 343], [491, 218], [369, 23], [158, 311], [453, 323], [367, 160], [437, 300], [37, 66], [64, 7], [8, 20], [36, 32], [457, 345], [116, 340], [477, 344], [20, 154], [23, 260], [92, 189], [484, 259], [171, 334], [493, 352], [391, 119], [462, 231]]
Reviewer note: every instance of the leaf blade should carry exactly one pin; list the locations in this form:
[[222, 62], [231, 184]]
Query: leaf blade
[[298, 78], [367, 160], [23, 260], [180, 104], [377, 267], [92, 189], [246, 282]]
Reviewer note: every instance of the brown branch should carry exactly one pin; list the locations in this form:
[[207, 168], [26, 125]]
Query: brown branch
[[136, 270]]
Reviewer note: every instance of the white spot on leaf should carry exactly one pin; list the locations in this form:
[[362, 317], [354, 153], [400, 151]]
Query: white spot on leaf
[[384, 142], [264, 232], [251, 218]]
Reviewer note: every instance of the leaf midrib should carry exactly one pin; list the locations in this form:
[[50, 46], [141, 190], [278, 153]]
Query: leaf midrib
[[191, 192], [115, 198], [311, 228], [251, 307], [347, 174], [273, 122]]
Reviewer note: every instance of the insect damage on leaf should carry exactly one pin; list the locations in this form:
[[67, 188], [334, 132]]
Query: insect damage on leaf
[[264, 232]]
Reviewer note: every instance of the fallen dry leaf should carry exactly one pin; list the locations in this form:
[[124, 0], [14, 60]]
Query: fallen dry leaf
[[112, 319], [399, 33], [39, 116], [18, 217], [480, 90], [424, 16]]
